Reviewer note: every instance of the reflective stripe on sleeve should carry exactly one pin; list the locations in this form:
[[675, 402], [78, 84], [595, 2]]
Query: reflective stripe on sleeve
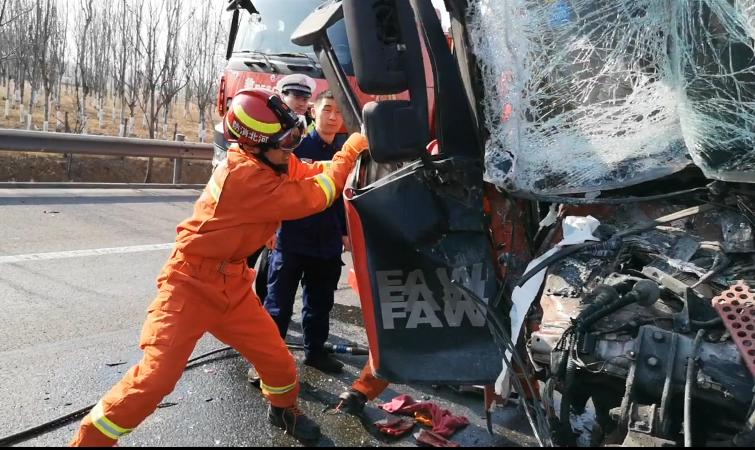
[[214, 189], [328, 186]]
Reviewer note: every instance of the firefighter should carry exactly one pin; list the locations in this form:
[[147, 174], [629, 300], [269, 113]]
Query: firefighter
[[205, 286], [308, 251]]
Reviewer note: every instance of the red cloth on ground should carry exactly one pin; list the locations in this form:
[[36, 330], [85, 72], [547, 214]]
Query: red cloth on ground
[[444, 423], [394, 426]]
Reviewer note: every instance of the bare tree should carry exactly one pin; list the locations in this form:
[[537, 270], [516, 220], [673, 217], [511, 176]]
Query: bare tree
[[82, 72], [47, 46], [60, 47], [159, 63], [100, 62], [19, 33], [203, 58], [121, 49], [10, 11], [133, 77], [4, 38]]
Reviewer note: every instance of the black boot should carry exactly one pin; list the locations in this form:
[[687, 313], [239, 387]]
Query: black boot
[[352, 402], [253, 377], [293, 421], [324, 362]]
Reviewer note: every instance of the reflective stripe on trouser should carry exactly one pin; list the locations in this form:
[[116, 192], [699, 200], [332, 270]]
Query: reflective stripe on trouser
[[187, 306], [105, 425], [368, 384]]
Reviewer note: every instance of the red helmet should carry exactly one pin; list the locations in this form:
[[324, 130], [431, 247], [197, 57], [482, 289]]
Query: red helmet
[[259, 117]]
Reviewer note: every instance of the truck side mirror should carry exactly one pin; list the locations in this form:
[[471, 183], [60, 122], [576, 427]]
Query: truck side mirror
[[385, 45], [387, 56], [377, 45], [391, 128]]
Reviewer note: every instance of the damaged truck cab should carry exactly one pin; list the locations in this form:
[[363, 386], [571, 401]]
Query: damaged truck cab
[[584, 235]]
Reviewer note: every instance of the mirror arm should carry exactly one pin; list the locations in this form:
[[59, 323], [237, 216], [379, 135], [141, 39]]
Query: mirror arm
[[342, 91], [232, 35]]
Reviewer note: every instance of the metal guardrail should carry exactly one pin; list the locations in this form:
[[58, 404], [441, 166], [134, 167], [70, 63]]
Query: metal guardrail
[[93, 185], [45, 142], [39, 141]]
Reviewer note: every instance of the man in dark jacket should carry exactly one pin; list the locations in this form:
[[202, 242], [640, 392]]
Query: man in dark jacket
[[309, 251]]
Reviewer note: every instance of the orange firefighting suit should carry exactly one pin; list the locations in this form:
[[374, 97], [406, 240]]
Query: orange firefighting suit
[[368, 384], [206, 286]]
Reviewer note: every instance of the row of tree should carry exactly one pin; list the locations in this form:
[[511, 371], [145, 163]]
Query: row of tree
[[139, 53]]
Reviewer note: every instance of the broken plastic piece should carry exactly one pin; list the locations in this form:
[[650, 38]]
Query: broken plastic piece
[[431, 439]]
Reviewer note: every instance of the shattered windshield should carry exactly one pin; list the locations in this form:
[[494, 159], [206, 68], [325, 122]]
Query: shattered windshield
[[589, 95]]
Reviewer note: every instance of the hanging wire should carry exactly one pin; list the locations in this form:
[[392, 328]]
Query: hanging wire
[[538, 423]]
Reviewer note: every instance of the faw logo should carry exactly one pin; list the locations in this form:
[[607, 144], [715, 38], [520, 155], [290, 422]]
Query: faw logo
[[407, 301]]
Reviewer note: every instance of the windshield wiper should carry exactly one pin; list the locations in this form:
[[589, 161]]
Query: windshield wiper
[[300, 54], [258, 53]]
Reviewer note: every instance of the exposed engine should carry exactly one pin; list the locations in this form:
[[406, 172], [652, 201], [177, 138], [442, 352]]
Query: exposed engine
[[621, 320]]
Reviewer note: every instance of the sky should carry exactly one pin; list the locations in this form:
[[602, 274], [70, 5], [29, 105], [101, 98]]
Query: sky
[[444, 14]]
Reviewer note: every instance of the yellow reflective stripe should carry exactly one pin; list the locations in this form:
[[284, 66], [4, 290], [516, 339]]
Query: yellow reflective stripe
[[254, 124], [230, 128], [328, 186], [272, 390], [214, 189], [105, 425]]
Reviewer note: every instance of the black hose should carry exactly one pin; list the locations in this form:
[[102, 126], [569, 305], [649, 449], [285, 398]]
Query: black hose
[[559, 255], [691, 365], [566, 397], [190, 364], [70, 417], [707, 323], [45, 427]]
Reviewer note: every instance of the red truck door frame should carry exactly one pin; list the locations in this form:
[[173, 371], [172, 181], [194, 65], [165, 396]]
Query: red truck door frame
[[419, 231]]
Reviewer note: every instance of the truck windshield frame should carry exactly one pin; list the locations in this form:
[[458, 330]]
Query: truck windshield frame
[[269, 32]]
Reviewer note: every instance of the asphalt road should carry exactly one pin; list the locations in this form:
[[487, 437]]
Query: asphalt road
[[77, 271]]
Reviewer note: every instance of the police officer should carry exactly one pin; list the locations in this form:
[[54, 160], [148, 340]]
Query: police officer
[[309, 251], [296, 90]]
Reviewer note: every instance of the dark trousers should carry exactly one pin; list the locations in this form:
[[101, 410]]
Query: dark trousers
[[260, 282], [319, 280]]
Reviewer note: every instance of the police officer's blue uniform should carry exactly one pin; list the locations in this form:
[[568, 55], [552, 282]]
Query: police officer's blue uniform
[[308, 250]]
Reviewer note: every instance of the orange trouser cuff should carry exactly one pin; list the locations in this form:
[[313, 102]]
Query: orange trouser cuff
[[89, 436], [368, 384], [283, 400]]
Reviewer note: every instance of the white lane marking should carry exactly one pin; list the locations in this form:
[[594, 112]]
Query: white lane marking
[[80, 253]]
